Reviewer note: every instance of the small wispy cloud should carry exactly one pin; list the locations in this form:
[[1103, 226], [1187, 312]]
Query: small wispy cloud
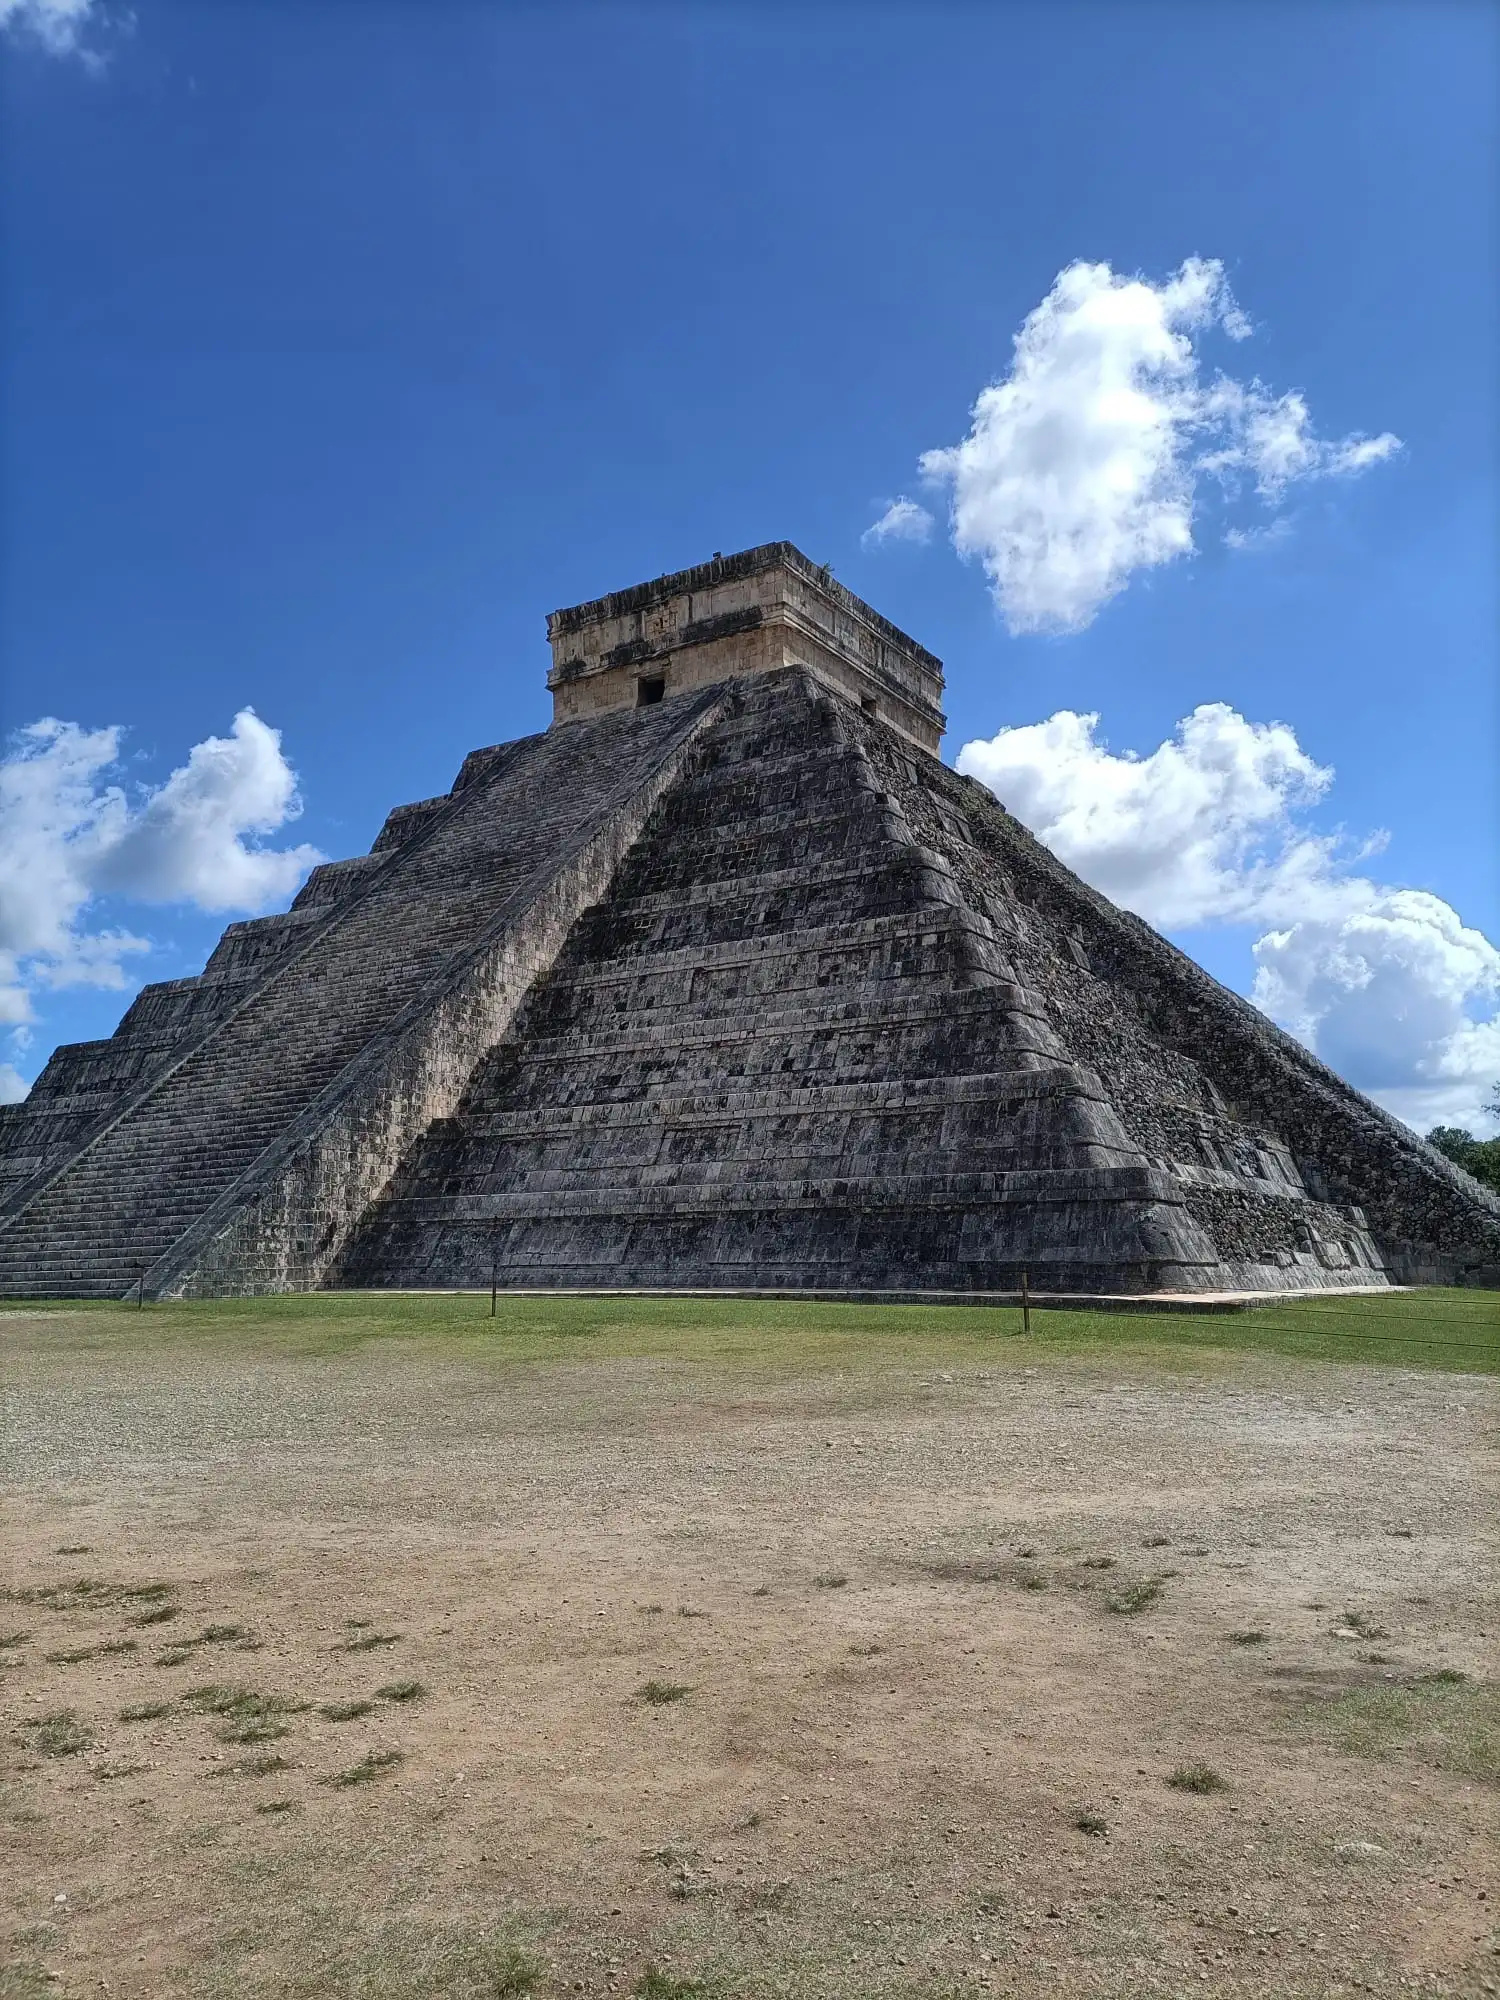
[[57, 25], [1273, 438], [903, 521], [1258, 537]]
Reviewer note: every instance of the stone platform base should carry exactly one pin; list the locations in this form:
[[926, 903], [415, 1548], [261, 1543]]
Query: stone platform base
[[1116, 1302]]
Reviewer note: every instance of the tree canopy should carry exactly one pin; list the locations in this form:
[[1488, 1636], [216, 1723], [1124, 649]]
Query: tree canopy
[[1479, 1157]]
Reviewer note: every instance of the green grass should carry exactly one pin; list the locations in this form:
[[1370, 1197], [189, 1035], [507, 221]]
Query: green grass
[[1429, 1329], [244, 1716], [60, 1734], [1135, 1597], [266, 1765], [86, 1593], [1441, 1718], [1198, 1778], [368, 1767], [72, 1656], [304, 1946], [661, 1694], [654, 1984], [401, 1691], [512, 1974]]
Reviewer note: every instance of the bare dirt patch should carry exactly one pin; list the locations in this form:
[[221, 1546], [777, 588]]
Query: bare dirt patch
[[396, 1739]]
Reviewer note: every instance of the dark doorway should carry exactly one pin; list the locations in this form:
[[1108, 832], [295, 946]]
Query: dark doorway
[[650, 689]]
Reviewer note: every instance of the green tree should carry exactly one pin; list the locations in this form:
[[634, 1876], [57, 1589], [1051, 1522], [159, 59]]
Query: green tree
[[1479, 1157]]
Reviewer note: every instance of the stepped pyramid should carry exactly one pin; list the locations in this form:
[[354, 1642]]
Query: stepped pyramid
[[724, 981]]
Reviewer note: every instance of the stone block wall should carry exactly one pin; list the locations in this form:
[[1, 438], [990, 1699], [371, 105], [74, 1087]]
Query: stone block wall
[[756, 612]]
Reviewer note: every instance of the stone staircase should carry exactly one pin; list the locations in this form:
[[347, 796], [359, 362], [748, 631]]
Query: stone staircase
[[791, 1049], [115, 1210]]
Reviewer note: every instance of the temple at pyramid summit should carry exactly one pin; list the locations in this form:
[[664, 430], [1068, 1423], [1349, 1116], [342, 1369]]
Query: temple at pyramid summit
[[722, 982]]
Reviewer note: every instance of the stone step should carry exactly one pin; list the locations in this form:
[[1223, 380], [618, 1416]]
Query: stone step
[[879, 1006], [722, 1103], [858, 884], [644, 1067], [864, 1193], [776, 1168]]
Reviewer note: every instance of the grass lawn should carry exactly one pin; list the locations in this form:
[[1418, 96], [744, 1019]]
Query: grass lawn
[[1436, 1328]]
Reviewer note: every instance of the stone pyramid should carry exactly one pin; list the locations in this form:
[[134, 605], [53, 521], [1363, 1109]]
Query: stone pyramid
[[722, 982]]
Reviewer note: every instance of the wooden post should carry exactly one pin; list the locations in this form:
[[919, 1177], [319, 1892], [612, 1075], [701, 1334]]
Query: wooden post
[[140, 1293], [1026, 1302], [494, 1268]]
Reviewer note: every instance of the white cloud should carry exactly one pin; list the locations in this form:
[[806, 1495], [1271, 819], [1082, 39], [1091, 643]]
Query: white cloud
[[13, 1086], [1387, 985], [68, 837], [1083, 465], [903, 521], [1258, 537], [186, 844], [1385, 996], [1272, 437], [1200, 831], [1356, 453], [57, 24]]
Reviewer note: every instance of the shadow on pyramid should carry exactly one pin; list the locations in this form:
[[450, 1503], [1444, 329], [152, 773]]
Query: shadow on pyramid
[[726, 983]]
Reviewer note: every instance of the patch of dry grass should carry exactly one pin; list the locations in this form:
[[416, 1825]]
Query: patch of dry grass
[[401, 1691], [1442, 1719], [370, 1766], [1133, 1598], [661, 1694], [60, 1734], [1198, 1778], [244, 1716]]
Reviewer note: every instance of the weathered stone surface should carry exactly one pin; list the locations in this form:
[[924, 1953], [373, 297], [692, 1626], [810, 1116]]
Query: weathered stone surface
[[842, 1022], [247, 1151], [739, 989], [751, 613]]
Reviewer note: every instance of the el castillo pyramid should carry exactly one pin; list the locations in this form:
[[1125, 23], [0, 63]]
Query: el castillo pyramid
[[724, 981]]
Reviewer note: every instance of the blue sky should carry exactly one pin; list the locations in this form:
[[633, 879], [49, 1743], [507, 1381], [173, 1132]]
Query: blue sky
[[342, 343]]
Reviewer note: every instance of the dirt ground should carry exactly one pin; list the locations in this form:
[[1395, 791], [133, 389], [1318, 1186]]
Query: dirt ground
[[416, 1669]]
